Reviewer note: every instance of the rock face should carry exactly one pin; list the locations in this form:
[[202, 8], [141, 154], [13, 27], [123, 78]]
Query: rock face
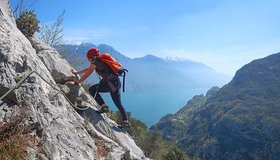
[[64, 133], [239, 121], [6, 10]]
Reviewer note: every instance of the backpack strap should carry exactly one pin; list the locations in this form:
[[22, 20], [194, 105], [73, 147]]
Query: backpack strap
[[122, 73]]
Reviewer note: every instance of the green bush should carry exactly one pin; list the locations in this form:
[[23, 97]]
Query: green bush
[[28, 23], [175, 153], [150, 142]]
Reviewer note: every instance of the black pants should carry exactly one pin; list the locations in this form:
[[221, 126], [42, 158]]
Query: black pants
[[104, 86]]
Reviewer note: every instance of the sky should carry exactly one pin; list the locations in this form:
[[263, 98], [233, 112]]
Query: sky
[[223, 34]]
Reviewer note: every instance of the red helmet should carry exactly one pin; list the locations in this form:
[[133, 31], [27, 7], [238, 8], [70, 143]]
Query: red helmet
[[92, 52]]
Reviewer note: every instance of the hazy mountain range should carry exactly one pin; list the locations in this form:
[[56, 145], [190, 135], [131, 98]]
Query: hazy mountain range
[[239, 121], [151, 72]]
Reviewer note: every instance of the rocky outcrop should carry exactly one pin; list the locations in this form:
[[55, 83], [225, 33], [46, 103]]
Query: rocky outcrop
[[58, 67], [64, 133], [6, 10]]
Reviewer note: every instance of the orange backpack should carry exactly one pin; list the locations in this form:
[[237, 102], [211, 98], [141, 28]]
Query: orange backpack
[[114, 65], [111, 62]]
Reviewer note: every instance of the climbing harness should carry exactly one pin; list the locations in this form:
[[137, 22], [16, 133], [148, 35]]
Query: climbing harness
[[29, 74]]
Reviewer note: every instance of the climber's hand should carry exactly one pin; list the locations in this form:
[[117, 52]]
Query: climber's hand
[[73, 71]]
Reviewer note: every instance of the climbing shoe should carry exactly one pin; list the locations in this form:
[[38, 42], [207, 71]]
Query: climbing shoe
[[124, 125], [104, 109]]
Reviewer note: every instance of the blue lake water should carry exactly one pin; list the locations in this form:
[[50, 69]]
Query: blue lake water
[[150, 106]]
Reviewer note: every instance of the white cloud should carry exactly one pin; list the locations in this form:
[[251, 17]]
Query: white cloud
[[74, 35]]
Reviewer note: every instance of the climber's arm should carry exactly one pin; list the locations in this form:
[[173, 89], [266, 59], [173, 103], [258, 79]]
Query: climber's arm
[[79, 72], [86, 71]]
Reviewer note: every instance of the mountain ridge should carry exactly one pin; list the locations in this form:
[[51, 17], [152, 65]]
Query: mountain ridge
[[239, 121], [160, 73]]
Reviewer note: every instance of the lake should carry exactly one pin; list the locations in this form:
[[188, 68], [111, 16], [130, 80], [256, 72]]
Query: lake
[[150, 106]]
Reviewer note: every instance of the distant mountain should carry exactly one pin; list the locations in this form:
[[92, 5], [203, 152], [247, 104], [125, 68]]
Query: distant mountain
[[81, 49], [173, 127], [239, 121], [151, 72]]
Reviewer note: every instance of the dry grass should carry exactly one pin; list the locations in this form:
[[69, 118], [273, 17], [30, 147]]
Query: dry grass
[[15, 139], [14, 144], [102, 150]]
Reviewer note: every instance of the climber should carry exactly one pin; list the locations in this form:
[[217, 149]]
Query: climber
[[110, 82]]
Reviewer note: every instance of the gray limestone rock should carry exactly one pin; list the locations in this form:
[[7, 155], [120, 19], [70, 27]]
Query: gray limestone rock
[[64, 133], [6, 10], [58, 67]]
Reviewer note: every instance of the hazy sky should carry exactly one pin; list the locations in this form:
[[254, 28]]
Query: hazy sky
[[223, 34]]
